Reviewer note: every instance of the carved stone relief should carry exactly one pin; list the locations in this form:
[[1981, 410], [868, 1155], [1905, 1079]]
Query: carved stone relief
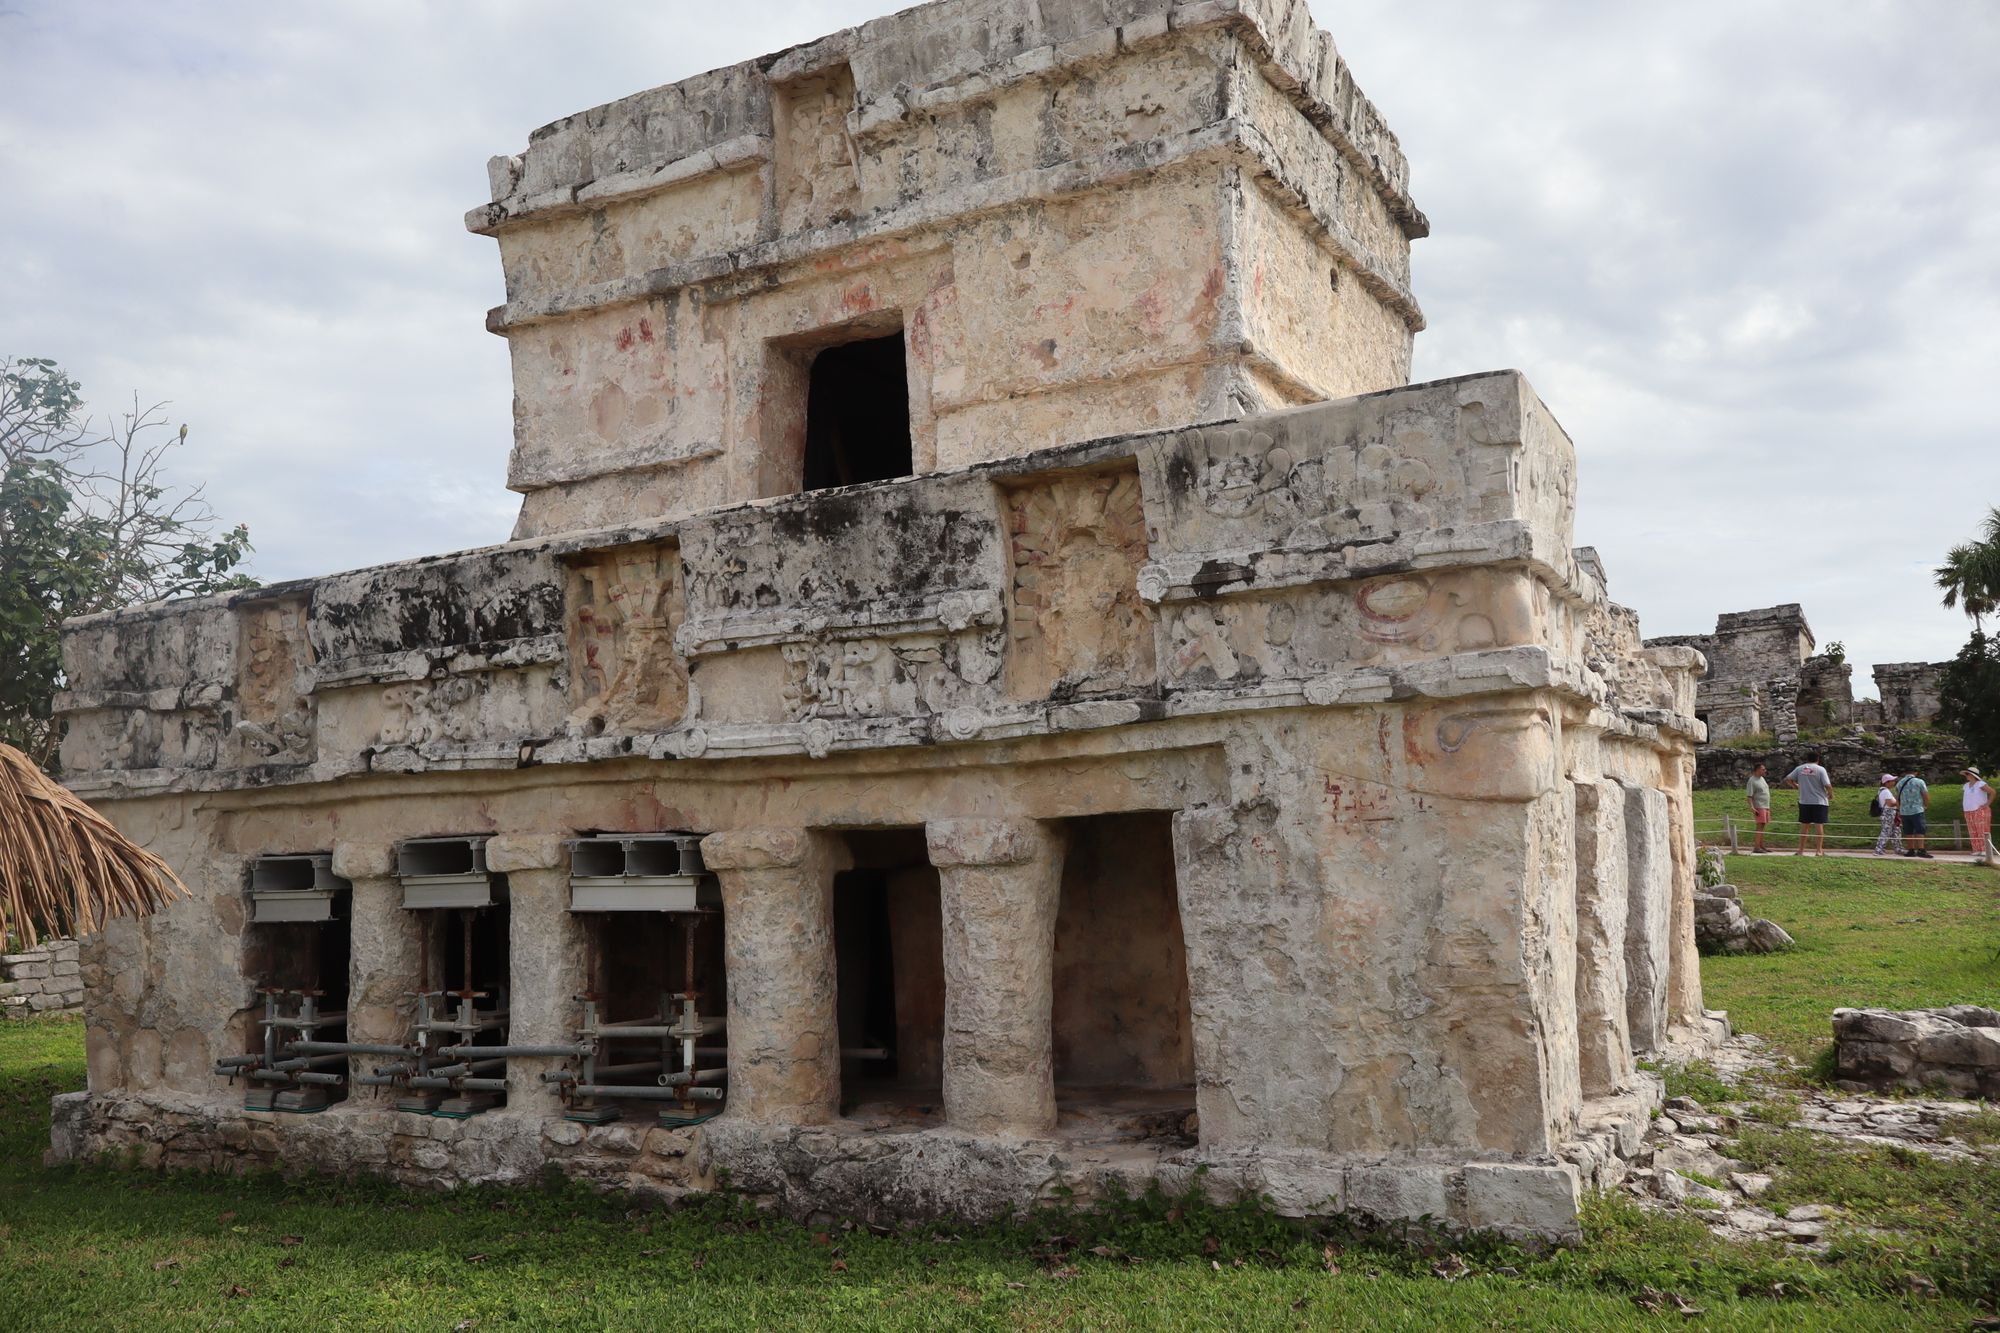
[[1079, 625], [423, 712], [1391, 620], [624, 607], [274, 717], [900, 677]]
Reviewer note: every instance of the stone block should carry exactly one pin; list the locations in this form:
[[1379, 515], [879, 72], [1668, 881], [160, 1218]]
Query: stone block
[[1522, 1201], [523, 851], [1399, 1190], [1976, 1047]]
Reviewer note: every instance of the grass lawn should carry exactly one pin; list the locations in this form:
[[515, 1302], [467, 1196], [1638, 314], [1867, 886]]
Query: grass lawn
[[1850, 807], [1891, 933], [95, 1248]]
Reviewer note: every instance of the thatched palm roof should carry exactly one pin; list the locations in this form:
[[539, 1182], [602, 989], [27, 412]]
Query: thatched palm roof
[[63, 868]]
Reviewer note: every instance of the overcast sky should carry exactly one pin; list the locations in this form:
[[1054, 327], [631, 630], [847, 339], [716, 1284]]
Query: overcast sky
[[1749, 252]]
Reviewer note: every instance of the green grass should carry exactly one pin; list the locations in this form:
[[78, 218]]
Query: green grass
[[1850, 806], [95, 1248], [1894, 934]]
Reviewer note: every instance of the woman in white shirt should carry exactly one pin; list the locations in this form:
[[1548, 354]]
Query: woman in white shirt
[[1892, 824], [1978, 808]]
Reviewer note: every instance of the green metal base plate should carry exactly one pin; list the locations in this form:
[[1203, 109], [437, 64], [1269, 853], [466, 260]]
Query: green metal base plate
[[592, 1115]]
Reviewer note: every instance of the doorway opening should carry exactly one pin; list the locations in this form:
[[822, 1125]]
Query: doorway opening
[[888, 935], [858, 414], [1123, 1033]]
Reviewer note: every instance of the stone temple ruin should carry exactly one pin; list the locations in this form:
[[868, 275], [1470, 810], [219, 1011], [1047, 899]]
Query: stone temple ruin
[[1763, 676], [999, 686]]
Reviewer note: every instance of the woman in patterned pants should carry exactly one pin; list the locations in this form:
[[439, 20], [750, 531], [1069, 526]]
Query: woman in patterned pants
[[1978, 807], [1892, 824]]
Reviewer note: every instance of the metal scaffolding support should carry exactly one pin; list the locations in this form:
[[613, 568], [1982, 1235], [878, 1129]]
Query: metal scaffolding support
[[677, 1028]]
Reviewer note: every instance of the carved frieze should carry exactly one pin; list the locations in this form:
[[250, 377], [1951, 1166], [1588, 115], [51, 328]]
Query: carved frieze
[[910, 557], [1457, 472], [1078, 623], [625, 674], [425, 712], [1297, 634], [911, 675]]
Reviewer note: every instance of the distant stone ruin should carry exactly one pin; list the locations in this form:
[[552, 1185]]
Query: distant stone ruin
[[1763, 676], [1000, 689], [1764, 679]]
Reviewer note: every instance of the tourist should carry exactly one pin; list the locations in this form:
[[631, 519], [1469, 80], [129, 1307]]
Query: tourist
[[1815, 788], [1912, 795], [1758, 792], [1979, 815], [1892, 824]]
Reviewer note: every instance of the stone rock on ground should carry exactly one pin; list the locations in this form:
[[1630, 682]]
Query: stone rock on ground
[[1722, 926], [1690, 1137], [1954, 1050]]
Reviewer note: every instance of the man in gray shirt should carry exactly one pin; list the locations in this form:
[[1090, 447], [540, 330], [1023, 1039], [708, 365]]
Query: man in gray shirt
[[1815, 788], [1758, 792]]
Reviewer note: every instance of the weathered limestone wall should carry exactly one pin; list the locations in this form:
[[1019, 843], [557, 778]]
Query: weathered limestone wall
[[1909, 691], [1083, 220], [45, 979], [1333, 675], [1826, 692], [1759, 677]]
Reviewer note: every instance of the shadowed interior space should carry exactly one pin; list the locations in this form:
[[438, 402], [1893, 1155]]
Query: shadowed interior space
[[889, 952], [1123, 1037], [858, 414]]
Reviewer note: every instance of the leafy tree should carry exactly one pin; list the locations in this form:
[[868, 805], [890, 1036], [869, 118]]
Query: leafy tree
[[88, 522], [1969, 698], [1970, 574]]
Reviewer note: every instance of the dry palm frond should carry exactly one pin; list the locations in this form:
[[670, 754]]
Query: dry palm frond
[[64, 869]]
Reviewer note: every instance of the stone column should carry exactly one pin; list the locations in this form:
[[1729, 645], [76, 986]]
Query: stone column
[[1000, 882], [1683, 959], [544, 962], [784, 1030], [382, 968], [1649, 884], [1604, 1044]]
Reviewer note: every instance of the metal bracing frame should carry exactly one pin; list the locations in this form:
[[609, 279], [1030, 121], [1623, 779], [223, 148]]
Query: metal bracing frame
[[291, 1074], [678, 1026]]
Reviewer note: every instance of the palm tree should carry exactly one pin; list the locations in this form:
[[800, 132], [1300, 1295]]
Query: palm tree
[[1970, 574], [63, 868]]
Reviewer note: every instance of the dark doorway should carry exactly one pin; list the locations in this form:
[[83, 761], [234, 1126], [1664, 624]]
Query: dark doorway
[[1122, 1026], [889, 952], [858, 414]]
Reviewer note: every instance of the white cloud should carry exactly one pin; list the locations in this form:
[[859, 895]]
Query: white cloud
[[1749, 251]]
